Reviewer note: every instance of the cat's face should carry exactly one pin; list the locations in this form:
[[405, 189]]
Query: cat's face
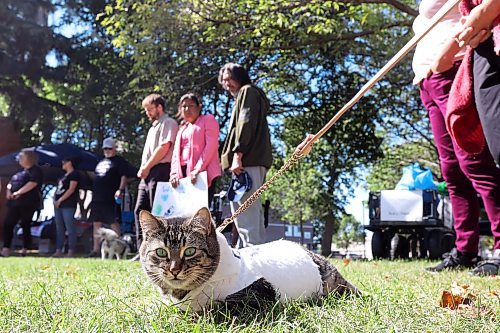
[[179, 253]]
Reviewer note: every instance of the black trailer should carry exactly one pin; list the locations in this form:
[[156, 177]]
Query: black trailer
[[430, 237]]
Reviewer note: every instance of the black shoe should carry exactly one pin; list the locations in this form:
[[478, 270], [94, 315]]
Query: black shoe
[[455, 260], [93, 254], [487, 267]]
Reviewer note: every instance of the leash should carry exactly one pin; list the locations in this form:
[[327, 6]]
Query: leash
[[305, 147]]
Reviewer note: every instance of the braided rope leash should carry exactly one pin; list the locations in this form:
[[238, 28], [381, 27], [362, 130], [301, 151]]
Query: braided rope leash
[[305, 147], [296, 156]]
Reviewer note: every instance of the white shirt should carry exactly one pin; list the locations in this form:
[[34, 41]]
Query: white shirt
[[429, 46], [162, 131]]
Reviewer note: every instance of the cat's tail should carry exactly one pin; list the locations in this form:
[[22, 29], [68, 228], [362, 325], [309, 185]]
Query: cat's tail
[[333, 281], [338, 285]]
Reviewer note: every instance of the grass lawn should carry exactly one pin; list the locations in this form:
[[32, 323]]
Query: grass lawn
[[90, 295]]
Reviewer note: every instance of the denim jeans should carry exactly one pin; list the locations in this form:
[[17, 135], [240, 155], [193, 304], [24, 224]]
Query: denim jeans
[[65, 219]]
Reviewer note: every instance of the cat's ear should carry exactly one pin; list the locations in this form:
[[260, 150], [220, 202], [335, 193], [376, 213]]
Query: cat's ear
[[203, 219], [149, 222]]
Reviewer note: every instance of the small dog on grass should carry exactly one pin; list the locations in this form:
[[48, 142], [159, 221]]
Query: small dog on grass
[[112, 245]]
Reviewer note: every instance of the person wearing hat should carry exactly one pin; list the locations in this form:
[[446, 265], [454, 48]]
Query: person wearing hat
[[108, 184], [247, 147], [156, 156], [466, 165], [23, 200], [65, 201]]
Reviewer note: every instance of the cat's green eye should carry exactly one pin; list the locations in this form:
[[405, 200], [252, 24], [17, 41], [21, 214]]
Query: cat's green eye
[[162, 253], [189, 252]]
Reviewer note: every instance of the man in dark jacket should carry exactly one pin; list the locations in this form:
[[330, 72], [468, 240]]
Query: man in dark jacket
[[247, 147]]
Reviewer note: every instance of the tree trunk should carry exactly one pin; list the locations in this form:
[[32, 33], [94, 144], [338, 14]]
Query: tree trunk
[[326, 241], [10, 142], [301, 230]]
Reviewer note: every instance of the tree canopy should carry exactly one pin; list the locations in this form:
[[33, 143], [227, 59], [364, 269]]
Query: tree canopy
[[310, 57]]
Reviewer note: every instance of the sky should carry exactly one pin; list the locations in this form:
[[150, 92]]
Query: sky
[[356, 207], [67, 30]]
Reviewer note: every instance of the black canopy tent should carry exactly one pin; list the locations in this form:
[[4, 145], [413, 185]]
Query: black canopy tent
[[50, 160]]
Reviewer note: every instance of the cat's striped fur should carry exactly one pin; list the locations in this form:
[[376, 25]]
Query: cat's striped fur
[[193, 266]]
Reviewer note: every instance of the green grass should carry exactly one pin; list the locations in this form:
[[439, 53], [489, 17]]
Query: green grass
[[90, 295]]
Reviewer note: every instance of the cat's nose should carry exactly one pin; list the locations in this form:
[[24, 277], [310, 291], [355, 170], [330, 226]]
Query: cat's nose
[[175, 267]]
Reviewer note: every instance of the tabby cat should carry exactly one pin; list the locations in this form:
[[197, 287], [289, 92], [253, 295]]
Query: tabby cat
[[193, 266]]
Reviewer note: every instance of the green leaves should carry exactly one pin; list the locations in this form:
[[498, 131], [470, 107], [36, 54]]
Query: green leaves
[[349, 231], [386, 173]]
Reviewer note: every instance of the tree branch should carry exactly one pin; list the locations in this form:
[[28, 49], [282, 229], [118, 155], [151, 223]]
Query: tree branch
[[394, 3]]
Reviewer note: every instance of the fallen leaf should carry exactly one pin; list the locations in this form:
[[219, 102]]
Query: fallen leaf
[[346, 261], [448, 300]]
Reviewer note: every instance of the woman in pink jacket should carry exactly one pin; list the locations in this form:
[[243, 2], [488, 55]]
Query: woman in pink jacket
[[196, 147]]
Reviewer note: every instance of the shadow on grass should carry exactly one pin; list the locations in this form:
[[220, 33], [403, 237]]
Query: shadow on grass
[[250, 311]]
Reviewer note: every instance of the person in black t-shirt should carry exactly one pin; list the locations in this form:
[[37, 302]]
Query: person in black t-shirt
[[109, 184], [23, 200], [65, 201]]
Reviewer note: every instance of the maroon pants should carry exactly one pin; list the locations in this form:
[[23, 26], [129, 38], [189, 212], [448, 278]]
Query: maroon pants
[[465, 174]]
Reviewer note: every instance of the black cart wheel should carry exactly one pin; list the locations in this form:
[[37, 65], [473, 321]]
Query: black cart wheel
[[379, 245], [400, 247], [448, 242], [434, 245], [413, 245], [422, 246], [404, 247]]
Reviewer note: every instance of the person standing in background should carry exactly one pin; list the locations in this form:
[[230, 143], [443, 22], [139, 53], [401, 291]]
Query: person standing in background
[[109, 183], [247, 147], [65, 201], [435, 63], [196, 147], [23, 200], [156, 156]]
